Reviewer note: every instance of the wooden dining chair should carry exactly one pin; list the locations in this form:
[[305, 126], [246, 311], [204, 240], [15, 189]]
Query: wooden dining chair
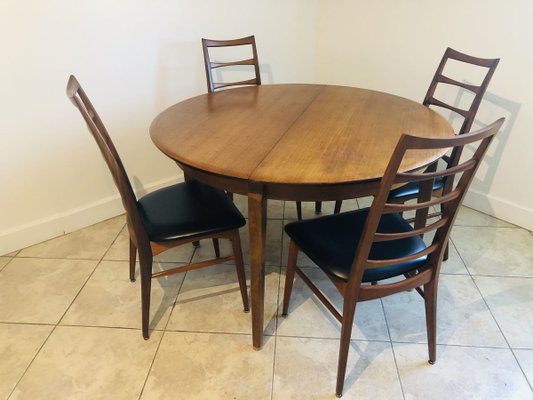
[[468, 113], [360, 251], [167, 217], [210, 65], [213, 86]]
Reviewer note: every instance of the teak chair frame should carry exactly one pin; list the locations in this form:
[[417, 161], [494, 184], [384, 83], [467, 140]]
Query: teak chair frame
[[468, 114], [210, 65], [424, 279], [139, 239]]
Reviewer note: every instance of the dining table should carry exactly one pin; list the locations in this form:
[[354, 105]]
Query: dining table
[[293, 142]]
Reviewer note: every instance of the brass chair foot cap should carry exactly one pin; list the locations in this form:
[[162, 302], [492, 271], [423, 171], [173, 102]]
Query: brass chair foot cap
[[431, 362]]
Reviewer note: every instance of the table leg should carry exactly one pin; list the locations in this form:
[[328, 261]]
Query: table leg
[[257, 219]]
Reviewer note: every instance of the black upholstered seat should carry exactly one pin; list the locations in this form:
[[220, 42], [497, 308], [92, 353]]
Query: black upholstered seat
[[186, 210], [331, 241]]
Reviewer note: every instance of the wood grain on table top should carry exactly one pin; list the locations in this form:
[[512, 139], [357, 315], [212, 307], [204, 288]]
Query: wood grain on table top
[[294, 133]]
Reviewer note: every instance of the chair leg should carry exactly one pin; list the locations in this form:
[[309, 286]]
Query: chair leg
[[196, 243], [338, 205], [230, 195], [430, 300], [133, 258], [318, 207], [289, 278], [216, 246], [299, 210], [146, 287], [239, 266], [348, 314]]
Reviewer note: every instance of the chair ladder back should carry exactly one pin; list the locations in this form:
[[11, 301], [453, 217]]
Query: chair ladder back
[[211, 65], [451, 200], [478, 90], [97, 129]]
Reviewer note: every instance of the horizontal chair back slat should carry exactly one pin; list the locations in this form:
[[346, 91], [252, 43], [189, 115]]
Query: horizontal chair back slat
[[441, 223], [210, 65]]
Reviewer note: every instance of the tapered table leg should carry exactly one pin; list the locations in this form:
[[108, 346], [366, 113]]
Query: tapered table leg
[[257, 229]]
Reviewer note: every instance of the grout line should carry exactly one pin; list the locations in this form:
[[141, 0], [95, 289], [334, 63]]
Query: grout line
[[392, 349], [31, 362], [151, 365], [26, 323], [166, 324], [61, 258], [489, 226], [483, 275], [276, 316], [9, 262], [61, 318], [503, 334]]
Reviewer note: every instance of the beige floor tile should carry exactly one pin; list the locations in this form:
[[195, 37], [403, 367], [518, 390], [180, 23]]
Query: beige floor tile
[[511, 303], [460, 373], [210, 301], [274, 207], [89, 363], [273, 245], [40, 290], [462, 316], [365, 202], [495, 251], [206, 250], [470, 217], [89, 243], [308, 208], [307, 369], [110, 299], [525, 359], [4, 261], [119, 251], [18, 345], [309, 318], [12, 254], [210, 366]]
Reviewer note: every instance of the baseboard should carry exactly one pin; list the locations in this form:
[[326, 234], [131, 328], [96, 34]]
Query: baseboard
[[61, 223], [80, 217], [500, 208]]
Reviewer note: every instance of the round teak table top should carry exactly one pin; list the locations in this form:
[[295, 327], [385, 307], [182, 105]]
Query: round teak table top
[[295, 133]]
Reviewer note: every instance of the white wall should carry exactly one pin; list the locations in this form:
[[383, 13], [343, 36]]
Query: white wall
[[134, 58], [395, 46], [137, 57]]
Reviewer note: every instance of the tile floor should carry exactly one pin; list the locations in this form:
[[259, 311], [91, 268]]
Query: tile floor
[[69, 324]]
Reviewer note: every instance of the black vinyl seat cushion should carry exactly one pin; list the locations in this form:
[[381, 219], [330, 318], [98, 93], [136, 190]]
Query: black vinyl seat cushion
[[412, 189], [331, 241], [186, 210]]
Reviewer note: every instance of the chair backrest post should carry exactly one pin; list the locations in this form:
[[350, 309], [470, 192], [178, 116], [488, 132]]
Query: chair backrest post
[[478, 90], [468, 114], [136, 228], [210, 65]]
